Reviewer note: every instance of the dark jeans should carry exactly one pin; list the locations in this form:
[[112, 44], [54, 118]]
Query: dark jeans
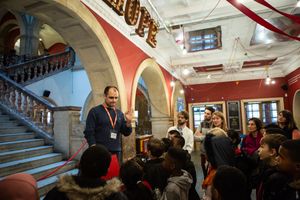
[[203, 161]]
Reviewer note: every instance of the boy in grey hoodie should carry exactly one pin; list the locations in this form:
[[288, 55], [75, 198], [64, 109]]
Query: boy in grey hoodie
[[180, 180]]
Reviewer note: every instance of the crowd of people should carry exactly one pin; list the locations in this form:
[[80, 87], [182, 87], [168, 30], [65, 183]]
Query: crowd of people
[[266, 159]]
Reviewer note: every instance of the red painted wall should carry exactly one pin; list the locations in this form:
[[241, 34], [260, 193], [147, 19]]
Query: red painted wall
[[129, 56], [6, 17], [293, 80], [11, 39], [235, 90], [57, 48]]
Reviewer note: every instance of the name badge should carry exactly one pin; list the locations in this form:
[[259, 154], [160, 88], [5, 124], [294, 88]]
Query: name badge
[[113, 135]]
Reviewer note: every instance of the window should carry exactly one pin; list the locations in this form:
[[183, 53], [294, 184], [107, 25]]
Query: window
[[264, 109], [204, 39], [198, 112], [270, 112], [180, 104]]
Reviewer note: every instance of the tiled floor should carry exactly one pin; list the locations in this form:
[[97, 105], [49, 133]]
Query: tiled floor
[[196, 160]]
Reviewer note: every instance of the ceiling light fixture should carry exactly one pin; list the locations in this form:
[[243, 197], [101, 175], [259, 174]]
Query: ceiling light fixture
[[298, 4], [268, 79], [184, 51], [181, 91], [185, 72], [172, 83]]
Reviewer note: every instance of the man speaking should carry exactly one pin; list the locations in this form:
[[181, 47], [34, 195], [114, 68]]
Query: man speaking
[[105, 123]]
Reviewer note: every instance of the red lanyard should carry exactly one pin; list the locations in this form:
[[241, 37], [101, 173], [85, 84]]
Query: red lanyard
[[113, 124]]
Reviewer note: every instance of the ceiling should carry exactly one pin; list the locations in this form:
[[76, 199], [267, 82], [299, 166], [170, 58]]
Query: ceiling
[[235, 60]]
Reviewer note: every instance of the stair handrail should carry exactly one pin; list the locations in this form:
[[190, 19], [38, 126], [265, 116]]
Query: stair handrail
[[37, 68], [32, 108]]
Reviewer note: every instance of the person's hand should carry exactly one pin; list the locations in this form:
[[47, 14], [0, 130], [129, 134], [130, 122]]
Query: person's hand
[[198, 133], [128, 116]]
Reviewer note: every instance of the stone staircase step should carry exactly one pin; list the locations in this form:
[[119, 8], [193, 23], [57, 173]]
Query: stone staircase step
[[44, 170], [46, 185], [4, 123], [24, 153], [28, 163], [20, 144], [16, 136], [13, 130], [4, 117], [11, 125]]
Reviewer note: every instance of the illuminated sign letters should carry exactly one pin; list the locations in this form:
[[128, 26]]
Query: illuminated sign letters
[[133, 11]]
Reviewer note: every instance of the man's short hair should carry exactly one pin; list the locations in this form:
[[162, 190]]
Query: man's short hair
[[178, 156], [130, 173], [184, 113], [210, 108], [230, 183], [234, 136], [156, 147], [292, 146], [180, 140], [107, 88], [167, 143], [95, 161]]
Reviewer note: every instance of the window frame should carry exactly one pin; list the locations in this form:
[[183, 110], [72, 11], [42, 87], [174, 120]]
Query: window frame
[[191, 116], [196, 40], [260, 100]]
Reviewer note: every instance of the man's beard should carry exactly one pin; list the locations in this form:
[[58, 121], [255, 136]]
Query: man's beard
[[205, 119], [181, 123]]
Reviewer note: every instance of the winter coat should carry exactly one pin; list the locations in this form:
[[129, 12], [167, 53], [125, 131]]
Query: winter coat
[[77, 188]]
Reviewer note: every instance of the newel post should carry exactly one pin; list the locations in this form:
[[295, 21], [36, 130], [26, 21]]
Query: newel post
[[63, 129]]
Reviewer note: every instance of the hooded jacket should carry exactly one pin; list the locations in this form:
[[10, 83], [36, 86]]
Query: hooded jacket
[[178, 187], [76, 188]]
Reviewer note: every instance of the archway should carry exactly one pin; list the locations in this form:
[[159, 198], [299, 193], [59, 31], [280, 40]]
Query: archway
[[296, 107], [178, 102], [158, 95], [80, 29]]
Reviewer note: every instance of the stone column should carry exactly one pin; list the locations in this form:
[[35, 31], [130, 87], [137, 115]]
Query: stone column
[[160, 126], [65, 119], [128, 143], [29, 35]]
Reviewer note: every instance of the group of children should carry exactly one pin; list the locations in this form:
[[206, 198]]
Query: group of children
[[273, 169], [168, 173]]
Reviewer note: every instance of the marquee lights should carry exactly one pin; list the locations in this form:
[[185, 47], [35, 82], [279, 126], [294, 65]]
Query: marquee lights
[[133, 11]]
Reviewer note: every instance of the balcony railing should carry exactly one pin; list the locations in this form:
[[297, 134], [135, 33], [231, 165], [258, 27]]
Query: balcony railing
[[28, 105], [37, 69]]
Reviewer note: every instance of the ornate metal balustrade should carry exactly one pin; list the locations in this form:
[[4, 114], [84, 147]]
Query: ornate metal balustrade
[[37, 69], [30, 107]]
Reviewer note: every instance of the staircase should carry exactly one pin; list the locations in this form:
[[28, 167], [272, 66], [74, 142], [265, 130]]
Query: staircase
[[22, 151], [39, 68]]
